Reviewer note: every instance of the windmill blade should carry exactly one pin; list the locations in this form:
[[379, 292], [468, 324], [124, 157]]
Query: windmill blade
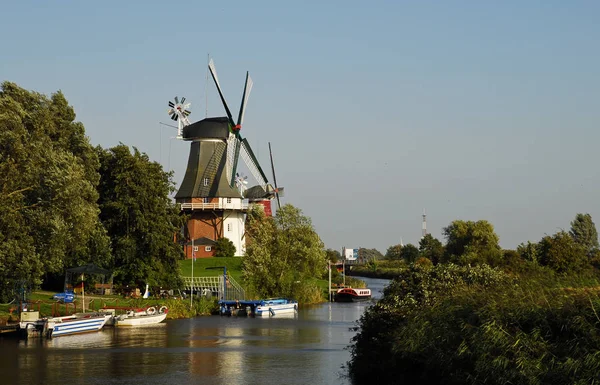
[[245, 96], [213, 73], [183, 100], [176, 100], [171, 104], [274, 178], [252, 163], [236, 157]]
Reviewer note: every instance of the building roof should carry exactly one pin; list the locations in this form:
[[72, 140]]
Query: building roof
[[203, 241], [205, 176], [209, 128]]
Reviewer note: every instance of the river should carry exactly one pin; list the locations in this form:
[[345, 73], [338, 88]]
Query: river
[[310, 348]]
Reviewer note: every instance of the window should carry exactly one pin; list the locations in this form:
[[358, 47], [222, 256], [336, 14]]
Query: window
[[205, 181], [229, 227], [195, 248], [228, 200], [205, 200], [207, 248]]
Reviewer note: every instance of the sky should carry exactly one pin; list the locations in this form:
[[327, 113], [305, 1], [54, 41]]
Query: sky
[[376, 110]]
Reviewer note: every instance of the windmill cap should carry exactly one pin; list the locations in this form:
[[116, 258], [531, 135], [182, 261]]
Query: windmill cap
[[209, 128]]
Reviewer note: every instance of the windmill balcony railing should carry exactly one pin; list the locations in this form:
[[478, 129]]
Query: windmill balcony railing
[[214, 206]]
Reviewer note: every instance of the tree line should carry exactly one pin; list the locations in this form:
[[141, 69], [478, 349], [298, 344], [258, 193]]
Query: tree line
[[65, 203], [475, 243]]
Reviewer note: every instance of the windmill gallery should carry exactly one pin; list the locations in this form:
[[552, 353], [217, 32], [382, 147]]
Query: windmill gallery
[[214, 194]]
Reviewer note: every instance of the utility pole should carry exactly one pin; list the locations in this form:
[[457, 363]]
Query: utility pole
[[192, 285]]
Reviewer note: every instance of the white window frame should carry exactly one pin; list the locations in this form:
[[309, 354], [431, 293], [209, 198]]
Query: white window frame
[[205, 182], [207, 248], [195, 248], [228, 200]]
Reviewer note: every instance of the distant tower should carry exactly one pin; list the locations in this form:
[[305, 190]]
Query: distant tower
[[424, 230]]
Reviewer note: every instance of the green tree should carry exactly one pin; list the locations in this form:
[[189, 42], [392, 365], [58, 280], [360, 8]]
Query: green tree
[[562, 253], [394, 252], [409, 253], [529, 251], [583, 231], [366, 255], [332, 255], [140, 217], [469, 242], [224, 248], [48, 187], [283, 253], [431, 248]]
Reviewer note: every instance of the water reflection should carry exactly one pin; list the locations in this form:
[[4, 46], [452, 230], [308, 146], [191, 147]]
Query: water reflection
[[306, 348]]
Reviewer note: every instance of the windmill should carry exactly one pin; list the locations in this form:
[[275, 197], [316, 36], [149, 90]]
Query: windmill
[[179, 112], [213, 191]]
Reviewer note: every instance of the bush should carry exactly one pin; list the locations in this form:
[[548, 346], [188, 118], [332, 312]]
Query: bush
[[460, 325], [224, 248]]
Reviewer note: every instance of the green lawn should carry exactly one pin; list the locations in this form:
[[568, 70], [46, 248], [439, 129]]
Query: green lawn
[[233, 264]]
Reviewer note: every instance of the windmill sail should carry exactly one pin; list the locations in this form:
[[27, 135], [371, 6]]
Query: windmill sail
[[252, 163]]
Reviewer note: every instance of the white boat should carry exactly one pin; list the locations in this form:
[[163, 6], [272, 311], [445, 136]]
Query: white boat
[[140, 318], [76, 323], [272, 307]]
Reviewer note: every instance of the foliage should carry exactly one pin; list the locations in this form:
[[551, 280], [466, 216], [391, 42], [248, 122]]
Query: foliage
[[409, 253], [48, 175], [444, 327], [140, 218], [431, 248], [394, 252], [369, 254], [283, 254], [561, 253], [472, 243], [583, 231], [528, 251], [224, 248], [332, 255]]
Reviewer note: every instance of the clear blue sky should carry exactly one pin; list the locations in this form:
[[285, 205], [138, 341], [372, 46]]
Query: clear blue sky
[[375, 110]]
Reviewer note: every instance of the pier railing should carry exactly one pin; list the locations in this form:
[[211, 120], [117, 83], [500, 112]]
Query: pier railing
[[227, 289]]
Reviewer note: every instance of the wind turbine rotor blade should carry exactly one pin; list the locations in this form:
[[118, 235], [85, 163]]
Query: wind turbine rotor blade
[[182, 99], [176, 100], [274, 178], [174, 117], [171, 104], [213, 73], [247, 88]]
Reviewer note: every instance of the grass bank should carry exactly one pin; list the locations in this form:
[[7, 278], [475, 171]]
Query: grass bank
[[212, 267]]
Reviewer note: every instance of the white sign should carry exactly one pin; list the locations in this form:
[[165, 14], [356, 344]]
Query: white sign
[[350, 254]]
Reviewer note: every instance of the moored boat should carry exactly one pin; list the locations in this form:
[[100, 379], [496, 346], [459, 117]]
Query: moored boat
[[76, 323], [141, 318], [275, 306], [349, 294]]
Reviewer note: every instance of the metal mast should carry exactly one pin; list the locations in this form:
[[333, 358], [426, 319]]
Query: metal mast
[[424, 229]]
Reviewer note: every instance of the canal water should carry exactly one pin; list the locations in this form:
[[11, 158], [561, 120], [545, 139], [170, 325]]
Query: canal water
[[309, 348]]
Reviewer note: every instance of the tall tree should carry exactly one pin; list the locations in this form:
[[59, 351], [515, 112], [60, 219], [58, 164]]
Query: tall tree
[[332, 255], [394, 252], [140, 218], [431, 248], [47, 186], [561, 253], [409, 253], [283, 253], [472, 242], [583, 231]]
